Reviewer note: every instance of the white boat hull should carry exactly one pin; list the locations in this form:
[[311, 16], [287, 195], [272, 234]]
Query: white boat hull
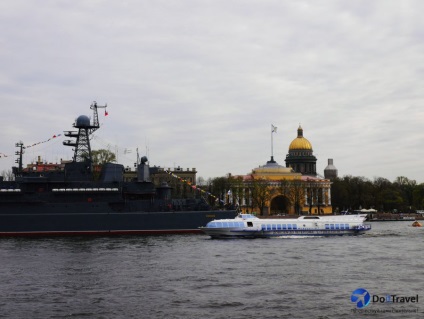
[[248, 226], [244, 233]]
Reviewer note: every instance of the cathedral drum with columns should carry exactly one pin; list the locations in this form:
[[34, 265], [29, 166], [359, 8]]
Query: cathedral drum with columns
[[295, 189]]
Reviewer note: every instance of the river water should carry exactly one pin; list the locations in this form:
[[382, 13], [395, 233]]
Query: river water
[[192, 276]]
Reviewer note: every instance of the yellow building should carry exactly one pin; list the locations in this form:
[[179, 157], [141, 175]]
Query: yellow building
[[273, 189]]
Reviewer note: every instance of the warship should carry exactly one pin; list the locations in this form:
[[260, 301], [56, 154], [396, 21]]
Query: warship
[[78, 200]]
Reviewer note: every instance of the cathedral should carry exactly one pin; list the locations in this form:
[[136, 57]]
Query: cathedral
[[293, 189], [300, 156]]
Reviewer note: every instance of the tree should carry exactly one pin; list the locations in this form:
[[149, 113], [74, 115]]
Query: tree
[[380, 185], [406, 186], [237, 188], [201, 181], [297, 195], [284, 192], [392, 199], [339, 195], [8, 175], [261, 193], [102, 156], [219, 188], [418, 195]]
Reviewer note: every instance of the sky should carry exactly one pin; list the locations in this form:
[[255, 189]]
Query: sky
[[198, 84]]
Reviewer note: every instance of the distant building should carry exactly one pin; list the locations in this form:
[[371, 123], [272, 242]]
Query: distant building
[[44, 167], [273, 189], [330, 172], [300, 156]]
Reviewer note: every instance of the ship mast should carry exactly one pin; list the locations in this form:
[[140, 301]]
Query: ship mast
[[94, 107], [18, 170], [81, 144]]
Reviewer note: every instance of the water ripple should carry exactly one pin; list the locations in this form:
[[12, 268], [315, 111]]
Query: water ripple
[[194, 277]]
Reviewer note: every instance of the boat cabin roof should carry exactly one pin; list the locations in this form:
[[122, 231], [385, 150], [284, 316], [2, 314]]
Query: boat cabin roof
[[246, 216]]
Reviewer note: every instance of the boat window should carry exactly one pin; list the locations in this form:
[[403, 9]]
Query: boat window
[[268, 227], [249, 224], [327, 226], [284, 226], [346, 226], [337, 226], [331, 226], [279, 226], [263, 227], [274, 227], [294, 226], [289, 226], [311, 217], [341, 226]]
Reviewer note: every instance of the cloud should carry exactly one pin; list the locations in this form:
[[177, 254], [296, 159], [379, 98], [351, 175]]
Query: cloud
[[198, 84]]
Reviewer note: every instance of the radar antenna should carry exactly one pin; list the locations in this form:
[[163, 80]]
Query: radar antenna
[[82, 148]]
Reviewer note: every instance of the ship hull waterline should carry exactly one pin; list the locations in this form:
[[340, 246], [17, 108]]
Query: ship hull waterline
[[106, 224], [242, 233]]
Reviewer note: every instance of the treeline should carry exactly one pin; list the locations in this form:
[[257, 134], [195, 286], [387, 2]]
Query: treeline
[[403, 195]]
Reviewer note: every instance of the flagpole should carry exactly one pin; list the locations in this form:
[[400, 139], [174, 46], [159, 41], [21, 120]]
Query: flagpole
[[273, 130], [272, 143]]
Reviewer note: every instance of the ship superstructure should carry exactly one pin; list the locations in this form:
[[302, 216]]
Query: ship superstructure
[[71, 201]]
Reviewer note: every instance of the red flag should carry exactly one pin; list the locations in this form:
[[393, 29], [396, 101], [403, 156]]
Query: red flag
[[106, 113]]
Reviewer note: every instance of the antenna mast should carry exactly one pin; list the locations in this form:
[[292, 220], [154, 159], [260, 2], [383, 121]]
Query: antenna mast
[[82, 150], [18, 161]]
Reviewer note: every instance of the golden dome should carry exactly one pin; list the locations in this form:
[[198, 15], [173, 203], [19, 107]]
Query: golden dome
[[300, 143]]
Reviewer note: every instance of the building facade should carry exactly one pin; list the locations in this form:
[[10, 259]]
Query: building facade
[[296, 189]]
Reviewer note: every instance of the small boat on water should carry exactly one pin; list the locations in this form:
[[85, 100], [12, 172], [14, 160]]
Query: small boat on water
[[250, 226], [417, 224]]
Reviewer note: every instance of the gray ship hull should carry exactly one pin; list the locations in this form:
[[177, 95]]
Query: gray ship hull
[[62, 223]]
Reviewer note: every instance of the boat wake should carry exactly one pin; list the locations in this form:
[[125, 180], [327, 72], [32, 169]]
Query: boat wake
[[297, 237]]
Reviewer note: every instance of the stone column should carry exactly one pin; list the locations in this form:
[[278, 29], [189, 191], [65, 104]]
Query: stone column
[[329, 195]]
